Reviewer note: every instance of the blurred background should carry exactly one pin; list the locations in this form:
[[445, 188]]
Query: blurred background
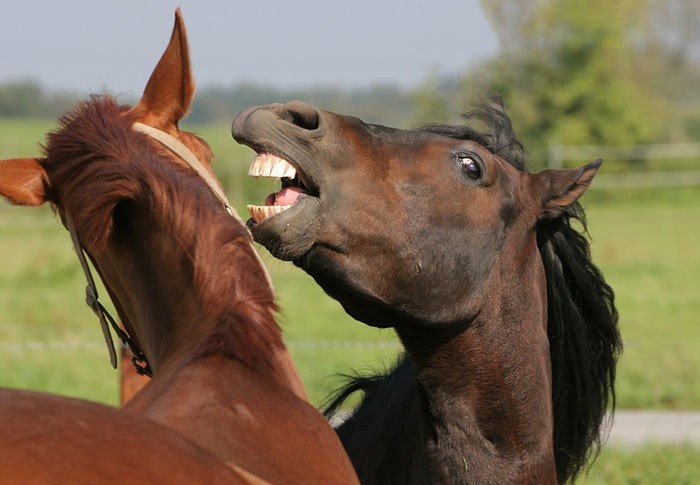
[[581, 80]]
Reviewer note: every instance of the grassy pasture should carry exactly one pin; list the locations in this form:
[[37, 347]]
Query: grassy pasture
[[646, 243], [649, 465]]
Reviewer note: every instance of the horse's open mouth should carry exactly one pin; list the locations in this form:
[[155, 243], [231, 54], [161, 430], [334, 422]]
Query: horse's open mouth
[[294, 186]]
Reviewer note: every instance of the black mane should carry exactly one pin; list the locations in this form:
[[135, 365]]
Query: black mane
[[584, 341], [400, 429], [488, 124], [582, 328]]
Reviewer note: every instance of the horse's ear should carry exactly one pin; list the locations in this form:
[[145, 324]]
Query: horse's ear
[[23, 181], [558, 189], [166, 99]]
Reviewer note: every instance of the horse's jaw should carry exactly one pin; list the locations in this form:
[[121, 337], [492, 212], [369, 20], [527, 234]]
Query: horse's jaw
[[289, 235], [288, 222]]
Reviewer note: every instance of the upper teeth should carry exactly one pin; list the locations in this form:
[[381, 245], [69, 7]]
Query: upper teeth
[[267, 165]]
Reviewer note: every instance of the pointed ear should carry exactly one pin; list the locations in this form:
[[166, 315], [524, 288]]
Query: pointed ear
[[23, 181], [558, 189], [166, 99]]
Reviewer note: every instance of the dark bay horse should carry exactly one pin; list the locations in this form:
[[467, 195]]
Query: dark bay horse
[[510, 330], [225, 399]]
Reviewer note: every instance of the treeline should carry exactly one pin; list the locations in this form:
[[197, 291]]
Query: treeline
[[384, 104], [27, 99], [378, 104]]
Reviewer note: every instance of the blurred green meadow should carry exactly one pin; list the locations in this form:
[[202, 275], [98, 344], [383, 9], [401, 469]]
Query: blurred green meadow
[[645, 241], [651, 464]]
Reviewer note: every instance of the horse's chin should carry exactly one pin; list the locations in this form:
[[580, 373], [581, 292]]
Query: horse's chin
[[289, 235]]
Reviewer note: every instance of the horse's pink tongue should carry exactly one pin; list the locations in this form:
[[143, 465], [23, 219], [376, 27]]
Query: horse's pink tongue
[[288, 195]]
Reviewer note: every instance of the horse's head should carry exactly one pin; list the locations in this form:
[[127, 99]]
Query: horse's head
[[395, 223], [133, 200]]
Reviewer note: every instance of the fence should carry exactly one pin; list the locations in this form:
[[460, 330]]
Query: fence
[[557, 155], [16, 346]]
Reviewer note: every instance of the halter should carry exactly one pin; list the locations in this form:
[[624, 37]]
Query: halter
[[92, 299], [139, 359], [186, 155], [181, 150]]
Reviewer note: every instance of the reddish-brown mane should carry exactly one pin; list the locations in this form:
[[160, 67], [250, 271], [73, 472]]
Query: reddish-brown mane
[[95, 143]]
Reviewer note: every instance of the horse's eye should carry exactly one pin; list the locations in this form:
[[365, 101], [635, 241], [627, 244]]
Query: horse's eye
[[471, 167]]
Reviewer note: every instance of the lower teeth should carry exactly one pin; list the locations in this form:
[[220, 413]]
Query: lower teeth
[[261, 212]]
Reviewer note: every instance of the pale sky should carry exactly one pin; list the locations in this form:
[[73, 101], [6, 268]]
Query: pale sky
[[84, 46]]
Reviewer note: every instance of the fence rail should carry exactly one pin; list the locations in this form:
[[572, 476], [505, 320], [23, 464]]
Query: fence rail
[[680, 178], [558, 154], [15, 346]]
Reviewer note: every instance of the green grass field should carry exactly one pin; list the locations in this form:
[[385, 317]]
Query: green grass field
[[649, 465], [646, 243], [648, 248]]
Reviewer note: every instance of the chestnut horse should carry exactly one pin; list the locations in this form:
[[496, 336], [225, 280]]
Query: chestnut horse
[[510, 330], [191, 293]]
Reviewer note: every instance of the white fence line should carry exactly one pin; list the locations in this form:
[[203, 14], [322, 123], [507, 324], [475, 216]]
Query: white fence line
[[685, 178], [558, 154], [293, 344], [42, 345]]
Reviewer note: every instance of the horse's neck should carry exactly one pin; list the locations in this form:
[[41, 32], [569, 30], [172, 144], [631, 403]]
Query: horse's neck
[[176, 325], [180, 339], [489, 385]]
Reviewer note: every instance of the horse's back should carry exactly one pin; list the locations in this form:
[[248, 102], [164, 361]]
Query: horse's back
[[53, 439], [259, 425]]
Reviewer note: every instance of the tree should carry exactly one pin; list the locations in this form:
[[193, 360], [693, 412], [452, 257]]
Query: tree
[[20, 99], [27, 99], [428, 104], [573, 73]]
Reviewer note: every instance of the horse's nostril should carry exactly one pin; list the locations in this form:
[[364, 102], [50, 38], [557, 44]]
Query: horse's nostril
[[302, 115]]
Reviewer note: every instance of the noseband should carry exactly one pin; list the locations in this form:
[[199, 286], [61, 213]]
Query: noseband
[[139, 359]]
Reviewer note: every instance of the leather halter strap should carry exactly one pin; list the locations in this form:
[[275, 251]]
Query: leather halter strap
[[92, 299], [186, 155], [181, 150]]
